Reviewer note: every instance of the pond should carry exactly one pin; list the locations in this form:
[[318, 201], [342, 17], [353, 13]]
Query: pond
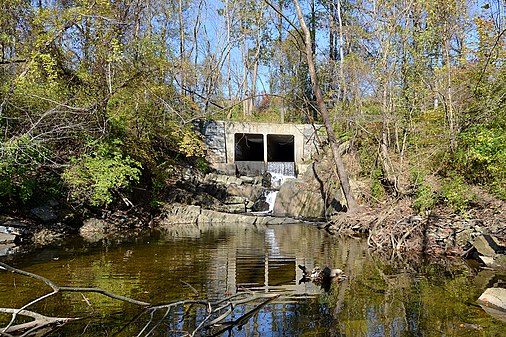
[[380, 297]]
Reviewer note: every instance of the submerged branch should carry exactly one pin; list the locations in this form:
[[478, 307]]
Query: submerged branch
[[217, 312], [39, 322]]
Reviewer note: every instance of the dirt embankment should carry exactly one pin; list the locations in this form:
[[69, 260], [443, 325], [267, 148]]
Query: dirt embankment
[[394, 227]]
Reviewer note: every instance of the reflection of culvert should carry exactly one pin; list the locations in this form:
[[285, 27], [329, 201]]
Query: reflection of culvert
[[249, 147], [280, 148]]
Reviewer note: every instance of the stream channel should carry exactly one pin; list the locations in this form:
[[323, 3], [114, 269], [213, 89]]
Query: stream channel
[[381, 297]]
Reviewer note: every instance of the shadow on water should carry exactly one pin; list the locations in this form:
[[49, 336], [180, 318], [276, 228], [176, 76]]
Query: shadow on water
[[380, 297]]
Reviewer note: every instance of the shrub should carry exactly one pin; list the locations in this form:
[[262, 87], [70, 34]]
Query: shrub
[[425, 196], [202, 165], [482, 157], [19, 162], [92, 178], [377, 188], [456, 193]]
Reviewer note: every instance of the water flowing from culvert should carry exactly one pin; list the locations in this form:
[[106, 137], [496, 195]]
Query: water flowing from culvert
[[270, 198], [280, 172]]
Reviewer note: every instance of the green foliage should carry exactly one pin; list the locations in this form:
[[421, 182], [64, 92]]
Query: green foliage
[[202, 165], [425, 197], [377, 188], [19, 162], [92, 178], [456, 193], [189, 143], [482, 157]]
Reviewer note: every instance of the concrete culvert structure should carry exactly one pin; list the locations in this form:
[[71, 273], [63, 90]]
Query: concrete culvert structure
[[249, 147], [280, 148]]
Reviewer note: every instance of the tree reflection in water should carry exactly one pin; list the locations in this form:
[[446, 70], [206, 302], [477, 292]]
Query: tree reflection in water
[[380, 297]]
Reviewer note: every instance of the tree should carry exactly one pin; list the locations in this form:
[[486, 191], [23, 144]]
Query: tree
[[341, 170]]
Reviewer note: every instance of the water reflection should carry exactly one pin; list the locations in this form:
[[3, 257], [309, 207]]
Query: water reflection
[[380, 297]]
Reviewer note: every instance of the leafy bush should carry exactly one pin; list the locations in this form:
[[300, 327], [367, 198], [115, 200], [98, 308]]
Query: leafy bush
[[202, 165], [456, 193], [92, 178], [377, 188], [482, 157], [425, 197], [20, 157], [189, 143]]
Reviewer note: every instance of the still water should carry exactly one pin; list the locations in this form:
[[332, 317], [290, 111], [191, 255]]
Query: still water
[[381, 297]]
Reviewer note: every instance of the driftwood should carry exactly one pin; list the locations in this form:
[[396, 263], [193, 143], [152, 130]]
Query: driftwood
[[214, 323], [404, 235], [39, 322]]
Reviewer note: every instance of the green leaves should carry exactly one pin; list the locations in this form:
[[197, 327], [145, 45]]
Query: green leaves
[[482, 156], [20, 158], [456, 193], [94, 178]]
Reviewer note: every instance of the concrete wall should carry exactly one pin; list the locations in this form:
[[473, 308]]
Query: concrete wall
[[220, 141]]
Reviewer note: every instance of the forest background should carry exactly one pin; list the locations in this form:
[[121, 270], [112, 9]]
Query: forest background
[[99, 99]]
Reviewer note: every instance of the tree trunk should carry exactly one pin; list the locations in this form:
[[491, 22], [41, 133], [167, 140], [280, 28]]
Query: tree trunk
[[181, 45], [280, 64], [334, 145]]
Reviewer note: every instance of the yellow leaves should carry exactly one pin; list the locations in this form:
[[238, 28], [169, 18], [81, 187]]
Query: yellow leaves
[[189, 143], [48, 64], [116, 51]]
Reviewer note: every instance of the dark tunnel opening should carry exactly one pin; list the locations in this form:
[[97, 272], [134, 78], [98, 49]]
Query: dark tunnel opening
[[280, 148], [249, 147]]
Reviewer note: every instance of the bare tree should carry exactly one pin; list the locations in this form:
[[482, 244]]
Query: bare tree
[[334, 144]]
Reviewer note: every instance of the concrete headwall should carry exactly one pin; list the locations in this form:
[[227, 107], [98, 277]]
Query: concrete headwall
[[220, 141]]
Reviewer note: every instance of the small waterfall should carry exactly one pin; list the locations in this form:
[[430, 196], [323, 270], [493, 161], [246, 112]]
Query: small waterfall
[[270, 198], [280, 171], [282, 168]]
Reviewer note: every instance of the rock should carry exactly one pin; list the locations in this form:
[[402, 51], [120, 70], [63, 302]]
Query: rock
[[267, 180], [93, 229], [249, 180], [249, 204], [45, 213], [250, 192], [222, 179], [487, 245], [7, 238], [234, 200], [183, 214], [488, 261], [299, 199], [46, 236], [493, 301], [489, 251], [483, 278], [231, 208], [260, 206], [7, 249], [12, 230]]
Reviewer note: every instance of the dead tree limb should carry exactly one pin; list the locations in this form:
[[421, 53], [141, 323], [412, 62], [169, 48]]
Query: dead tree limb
[[217, 312], [334, 145], [39, 322]]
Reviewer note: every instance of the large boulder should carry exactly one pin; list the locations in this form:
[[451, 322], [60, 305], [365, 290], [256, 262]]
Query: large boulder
[[299, 199]]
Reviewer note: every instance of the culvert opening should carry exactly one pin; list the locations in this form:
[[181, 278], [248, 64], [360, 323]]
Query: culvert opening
[[249, 147], [280, 148]]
